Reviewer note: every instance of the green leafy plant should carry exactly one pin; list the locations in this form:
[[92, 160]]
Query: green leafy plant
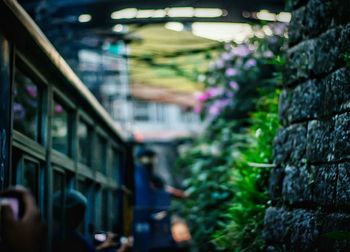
[[227, 167]]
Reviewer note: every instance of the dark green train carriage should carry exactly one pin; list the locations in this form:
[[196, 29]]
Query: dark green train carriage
[[54, 135]]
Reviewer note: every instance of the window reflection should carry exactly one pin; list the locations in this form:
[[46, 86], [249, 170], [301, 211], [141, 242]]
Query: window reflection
[[31, 177], [60, 140], [26, 107], [101, 154], [113, 164], [84, 133]]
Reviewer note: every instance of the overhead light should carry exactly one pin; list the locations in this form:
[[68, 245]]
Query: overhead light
[[266, 15], [159, 13], [124, 14], [84, 18], [237, 32], [181, 12], [175, 26], [145, 13], [208, 12], [118, 28], [284, 17]]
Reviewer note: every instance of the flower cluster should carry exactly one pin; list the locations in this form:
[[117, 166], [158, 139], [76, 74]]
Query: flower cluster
[[237, 67]]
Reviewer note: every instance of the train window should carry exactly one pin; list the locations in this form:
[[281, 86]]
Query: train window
[[105, 216], [113, 164], [27, 105], [98, 210], [59, 187], [84, 135], [60, 127], [113, 210], [30, 177], [101, 154]]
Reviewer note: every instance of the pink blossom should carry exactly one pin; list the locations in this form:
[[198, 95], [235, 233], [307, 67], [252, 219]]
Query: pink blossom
[[250, 63], [268, 54], [32, 90], [197, 108], [58, 108], [214, 91], [234, 85], [231, 72], [241, 50], [218, 106], [227, 56], [219, 64]]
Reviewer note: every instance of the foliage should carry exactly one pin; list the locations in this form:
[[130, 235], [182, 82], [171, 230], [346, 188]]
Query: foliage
[[228, 166]]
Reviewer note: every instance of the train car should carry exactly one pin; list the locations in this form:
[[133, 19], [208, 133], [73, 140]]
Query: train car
[[54, 134]]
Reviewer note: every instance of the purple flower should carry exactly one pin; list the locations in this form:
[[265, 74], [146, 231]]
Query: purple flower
[[234, 85], [214, 91], [268, 54], [219, 64], [58, 108], [19, 111], [218, 106], [197, 108], [32, 90], [278, 28], [227, 56], [231, 72], [201, 97], [250, 63], [241, 50]]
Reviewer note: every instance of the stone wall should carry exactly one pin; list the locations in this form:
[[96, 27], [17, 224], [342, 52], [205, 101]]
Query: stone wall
[[310, 186]]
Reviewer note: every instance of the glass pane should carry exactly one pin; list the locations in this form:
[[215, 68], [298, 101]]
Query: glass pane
[[113, 164], [26, 107], [98, 210], [101, 154], [31, 177], [105, 210], [58, 201], [84, 133], [60, 140]]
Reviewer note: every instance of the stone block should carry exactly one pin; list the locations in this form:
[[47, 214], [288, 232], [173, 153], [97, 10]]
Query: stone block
[[341, 13], [327, 53], [290, 145], [337, 92], [301, 103], [298, 185], [334, 222], [324, 190], [300, 60], [320, 141], [275, 184], [304, 231], [318, 13], [285, 102], [306, 101], [343, 188], [276, 225], [342, 136], [296, 27]]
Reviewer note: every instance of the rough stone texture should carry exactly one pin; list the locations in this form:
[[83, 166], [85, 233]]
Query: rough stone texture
[[298, 185], [296, 27], [277, 222], [302, 102], [324, 189], [342, 136], [343, 185], [290, 145], [337, 92], [310, 186], [320, 141]]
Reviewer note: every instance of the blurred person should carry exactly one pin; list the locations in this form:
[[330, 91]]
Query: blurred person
[[152, 228], [69, 212], [25, 232]]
